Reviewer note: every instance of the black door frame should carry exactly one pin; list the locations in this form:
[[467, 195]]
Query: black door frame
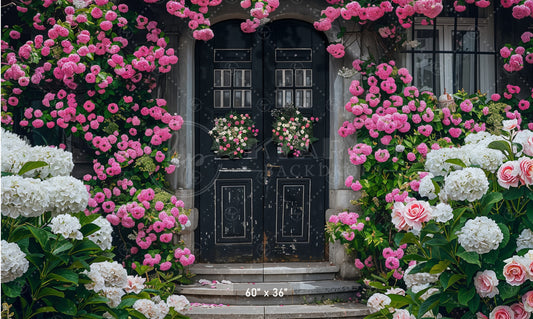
[[261, 243]]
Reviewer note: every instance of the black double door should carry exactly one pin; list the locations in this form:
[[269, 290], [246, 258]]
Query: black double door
[[265, 207]]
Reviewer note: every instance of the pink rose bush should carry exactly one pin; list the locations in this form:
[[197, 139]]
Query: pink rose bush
[[87, 71], [482, 252]]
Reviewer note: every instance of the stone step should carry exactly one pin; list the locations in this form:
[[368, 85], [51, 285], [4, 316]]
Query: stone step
[[339, 310], [266, 272], [271, 293]]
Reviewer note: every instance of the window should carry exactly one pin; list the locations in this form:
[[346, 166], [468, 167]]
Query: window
[[457, 52]]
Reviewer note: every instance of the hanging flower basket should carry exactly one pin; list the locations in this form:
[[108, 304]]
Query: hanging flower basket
[[292, 131], [233, 135]]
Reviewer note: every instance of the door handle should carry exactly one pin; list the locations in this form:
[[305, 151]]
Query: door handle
[[272, 166]]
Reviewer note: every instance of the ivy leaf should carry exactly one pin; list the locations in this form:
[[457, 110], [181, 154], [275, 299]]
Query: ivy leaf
[[31, 165]]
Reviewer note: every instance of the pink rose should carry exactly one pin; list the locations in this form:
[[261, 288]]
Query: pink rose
[[508, 174], [417, 212], [528, 146], [510, 124], [502, 312], [480, 315], [527, 301], [485, 283], [397, 216], [519, 311], [515, 273], [526, 170]]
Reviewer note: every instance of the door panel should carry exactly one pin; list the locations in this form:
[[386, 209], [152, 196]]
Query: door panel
[[264, 207]]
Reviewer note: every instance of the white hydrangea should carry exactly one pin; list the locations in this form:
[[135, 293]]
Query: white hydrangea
[[525, 240], [467, 184], [103, 237], [59, 162], [442, 213], [66, 225], [480, 235], [23, 197], [436, 160], [178, 302], [114, 295], [377, 302], [14, 262], [421, 278], [107, 274], [67, 194], [150, 309], [426, 188], [474, 138], [16, 152], [486, 158]]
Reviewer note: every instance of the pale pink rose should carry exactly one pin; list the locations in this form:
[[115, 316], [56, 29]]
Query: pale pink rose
[[135, 284], [526, 170], [508, 174], [377, 302], [402, 314], [502, 312], [417, 212], [398, 217], [510, 124], [527, 301], [485, 283], [519, 311], [480, 315], [515, 273], [528, 146]]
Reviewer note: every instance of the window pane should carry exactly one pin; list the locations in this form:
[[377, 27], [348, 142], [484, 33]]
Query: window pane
[[227, 78], [217, 99], [248, 98], [299, 77], [247, 78], [238, 78], [308, 99], [279, 78], [237, 102], [288, 78], [299, 98], [227, 98], [464, 72], [218, 78]]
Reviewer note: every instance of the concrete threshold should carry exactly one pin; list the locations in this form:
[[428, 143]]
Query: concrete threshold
[[342, 310]]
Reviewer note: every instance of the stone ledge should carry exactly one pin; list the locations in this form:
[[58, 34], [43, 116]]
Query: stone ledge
[[343, 310]]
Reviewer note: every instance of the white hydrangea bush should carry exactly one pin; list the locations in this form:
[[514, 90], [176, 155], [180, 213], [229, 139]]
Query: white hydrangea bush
[[480, 235], [102, 237], [14, 263], [16, 152]]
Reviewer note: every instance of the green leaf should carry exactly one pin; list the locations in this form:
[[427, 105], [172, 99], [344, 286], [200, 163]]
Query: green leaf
[[489, 200], [12, 289], [456, 161], [63, 305], [437, 241], [473, 304], [48, 291], [501, 146], [65, 275], [85, 245], [464, 295], [65, 245], [428, 304], [453, 279], [408, 238], [40, 235], [440, 267], [31, 165], [89, 229], [506, 234], [470, 257], [507, 291], [44, 310]]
